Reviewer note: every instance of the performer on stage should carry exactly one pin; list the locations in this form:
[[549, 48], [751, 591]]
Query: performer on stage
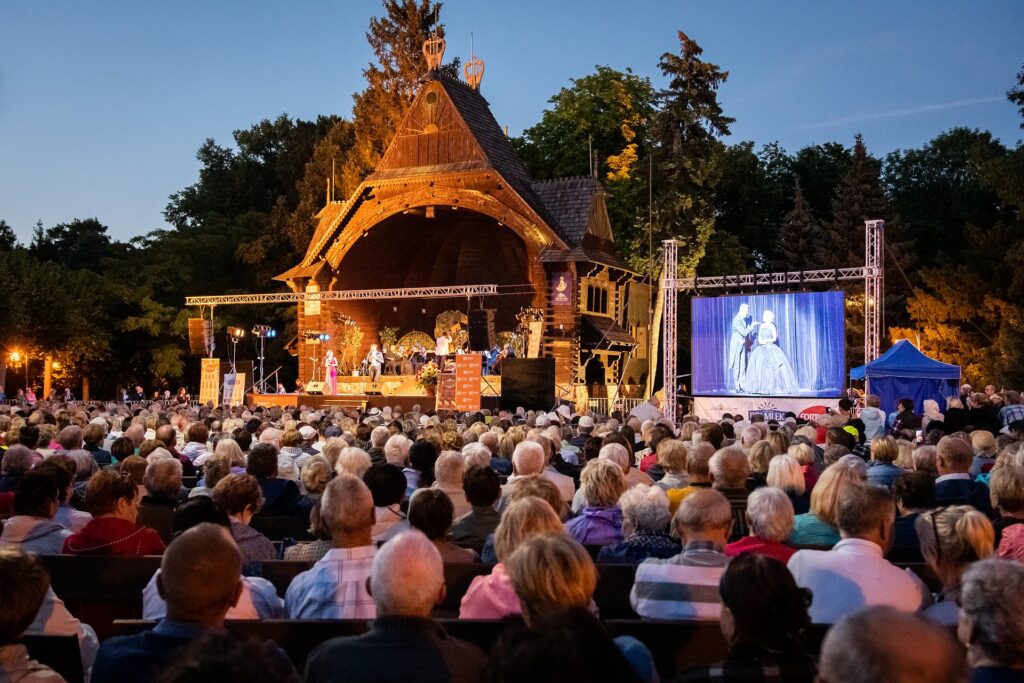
[[442, 349], [768, 370], [331, 370], [374, 360], [738, 346]]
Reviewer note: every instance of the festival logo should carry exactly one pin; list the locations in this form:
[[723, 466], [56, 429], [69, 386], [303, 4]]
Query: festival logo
[[561, 289], [771, 411]]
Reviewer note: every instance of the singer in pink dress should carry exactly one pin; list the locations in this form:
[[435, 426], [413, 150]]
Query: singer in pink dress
[[331, 365]]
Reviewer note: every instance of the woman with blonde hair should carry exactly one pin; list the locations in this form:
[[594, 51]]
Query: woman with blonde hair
[[784, 473], [951, 539], [779, 442], [905, 458], [672, 458], [600, 520], [760, 458], [229, 449], [804, 454], [818, 526], [316, 473], [493, 596]]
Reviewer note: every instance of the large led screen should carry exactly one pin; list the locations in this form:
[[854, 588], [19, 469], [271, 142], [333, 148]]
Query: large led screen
[[789, 344]]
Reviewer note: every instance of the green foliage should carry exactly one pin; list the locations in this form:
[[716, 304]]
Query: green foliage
[[801, 236], [1016, 94]]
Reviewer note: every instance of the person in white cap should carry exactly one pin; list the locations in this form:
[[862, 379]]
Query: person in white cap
[[309, 437], [586, 425]]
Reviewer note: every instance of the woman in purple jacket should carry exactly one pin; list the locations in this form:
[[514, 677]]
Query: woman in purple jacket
[[600, 520]]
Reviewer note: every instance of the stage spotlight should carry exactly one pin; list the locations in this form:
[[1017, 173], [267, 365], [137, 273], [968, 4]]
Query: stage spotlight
[[236, 332], [264, 331]]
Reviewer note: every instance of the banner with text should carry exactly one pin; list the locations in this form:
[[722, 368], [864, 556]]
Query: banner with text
[[561, 288], [467, 381], [234, 389], [209, 380], [713, 407]]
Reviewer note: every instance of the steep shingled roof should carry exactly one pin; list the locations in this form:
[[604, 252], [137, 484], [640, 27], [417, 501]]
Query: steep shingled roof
[[570, 201]]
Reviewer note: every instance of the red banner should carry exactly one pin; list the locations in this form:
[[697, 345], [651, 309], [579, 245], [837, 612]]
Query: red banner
[[467, 381]]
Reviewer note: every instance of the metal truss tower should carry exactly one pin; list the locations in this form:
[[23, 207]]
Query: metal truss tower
[[874, 286], [669, 285]]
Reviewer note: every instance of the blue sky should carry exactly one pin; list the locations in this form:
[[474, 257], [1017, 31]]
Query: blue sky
[[104, 104]]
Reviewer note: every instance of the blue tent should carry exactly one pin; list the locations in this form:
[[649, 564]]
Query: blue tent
[[904, 372]]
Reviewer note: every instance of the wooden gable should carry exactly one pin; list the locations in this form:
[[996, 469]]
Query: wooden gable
[[433, 133]]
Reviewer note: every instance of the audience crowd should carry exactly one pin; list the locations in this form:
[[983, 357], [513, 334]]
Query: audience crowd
[[898, 537]]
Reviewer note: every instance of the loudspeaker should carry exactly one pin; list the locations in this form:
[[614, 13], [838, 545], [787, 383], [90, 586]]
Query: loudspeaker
[[528, 382], [199, 331], [315, 388], [481, 329]]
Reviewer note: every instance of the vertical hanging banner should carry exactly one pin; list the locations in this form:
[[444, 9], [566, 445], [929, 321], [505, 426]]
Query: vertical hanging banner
[[445, 397], [234, 389], [209, 380], [561, 288], [467, 381]]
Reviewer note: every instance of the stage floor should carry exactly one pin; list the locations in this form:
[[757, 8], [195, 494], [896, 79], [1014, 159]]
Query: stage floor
[[353, 401]]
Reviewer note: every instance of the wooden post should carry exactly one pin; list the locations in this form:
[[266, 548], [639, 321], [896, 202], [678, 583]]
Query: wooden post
[[47, 376], [85, 388]]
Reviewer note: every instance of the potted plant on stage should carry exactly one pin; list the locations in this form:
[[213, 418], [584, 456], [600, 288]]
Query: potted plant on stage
[[427, 378]]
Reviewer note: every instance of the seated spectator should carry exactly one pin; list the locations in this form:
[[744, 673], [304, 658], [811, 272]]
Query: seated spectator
[[449, 471], [697, 471], [682, 587], [672, 460], [501, 453], [335, 587], [645, 520], [314, 474], [759, 457], [32, 529], [387, 486], [1006, 487], [163, 483], [214, 469], [420, 473], [818, 526], [954, 485], [553, 575], [860, 649], [786, 474], [289, 454], [113, 501], [134, 466], [983, 443], [951, 539], [991, 624], [729, 472], [281, 497], [354, 461], [200, 580], [770, 520], [228, 658], [430, 511], [914, 493], [258, 599], [492, 596], [565, 483], [884, 452], [196, 437], [482, 489], [24, 585], [92, 436], [403, 644], [925, 458], [239, 496], [854, 574], [764, 620], [803, 453], [63, 471], [600, 520], [378, 439], [16, 462]]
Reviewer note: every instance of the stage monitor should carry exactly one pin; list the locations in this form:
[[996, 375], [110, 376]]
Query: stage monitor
[[791, 344], [528, 383]]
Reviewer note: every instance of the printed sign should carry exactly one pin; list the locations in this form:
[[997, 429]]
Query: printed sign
[[561, 289], [234, 389], [467, 381], [445, 399], [209, 380]]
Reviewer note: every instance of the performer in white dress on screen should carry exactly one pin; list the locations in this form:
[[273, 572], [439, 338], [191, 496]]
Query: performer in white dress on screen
[[738, 348], [768, 370]]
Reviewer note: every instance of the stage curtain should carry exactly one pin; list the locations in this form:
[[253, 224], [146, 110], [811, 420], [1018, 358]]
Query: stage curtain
[[811, 334]]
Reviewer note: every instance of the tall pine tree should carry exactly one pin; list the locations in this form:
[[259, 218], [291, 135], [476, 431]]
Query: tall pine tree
[[800, 235]]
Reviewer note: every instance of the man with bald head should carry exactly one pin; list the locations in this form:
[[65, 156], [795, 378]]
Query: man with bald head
[[200, 580], [861, 648], [335, 587], [403, 645]]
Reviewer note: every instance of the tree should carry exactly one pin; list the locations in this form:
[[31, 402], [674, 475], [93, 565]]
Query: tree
[[858, 198], [397, 42], [78, 244], [800, 236], [820, 169], [8, 240], [1016, 94], [687, 153], [604, 116]]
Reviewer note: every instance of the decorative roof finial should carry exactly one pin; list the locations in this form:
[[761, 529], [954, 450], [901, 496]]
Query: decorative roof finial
[[474, 72], [433, 50]]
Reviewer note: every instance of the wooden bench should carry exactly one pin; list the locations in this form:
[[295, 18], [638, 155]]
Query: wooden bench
[[60, 653]]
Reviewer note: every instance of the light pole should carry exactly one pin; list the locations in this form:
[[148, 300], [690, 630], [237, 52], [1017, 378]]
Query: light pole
[[235, 334], [263, 332]]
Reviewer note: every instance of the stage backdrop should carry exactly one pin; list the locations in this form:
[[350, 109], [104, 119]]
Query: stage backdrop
[[739, 354]]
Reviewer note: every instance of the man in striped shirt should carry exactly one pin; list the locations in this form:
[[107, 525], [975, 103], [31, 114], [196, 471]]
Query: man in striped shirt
[[686, 586], [335, 587]]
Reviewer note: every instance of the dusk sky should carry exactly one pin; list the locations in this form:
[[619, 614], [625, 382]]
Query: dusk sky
[[104, 104]]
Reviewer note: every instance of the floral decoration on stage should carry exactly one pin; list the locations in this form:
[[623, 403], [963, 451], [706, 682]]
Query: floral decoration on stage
[[427, 376]]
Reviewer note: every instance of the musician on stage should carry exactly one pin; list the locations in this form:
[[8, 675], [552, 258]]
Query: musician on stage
[[442, 349], [418, 359], [374, 360], [331, 371]]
